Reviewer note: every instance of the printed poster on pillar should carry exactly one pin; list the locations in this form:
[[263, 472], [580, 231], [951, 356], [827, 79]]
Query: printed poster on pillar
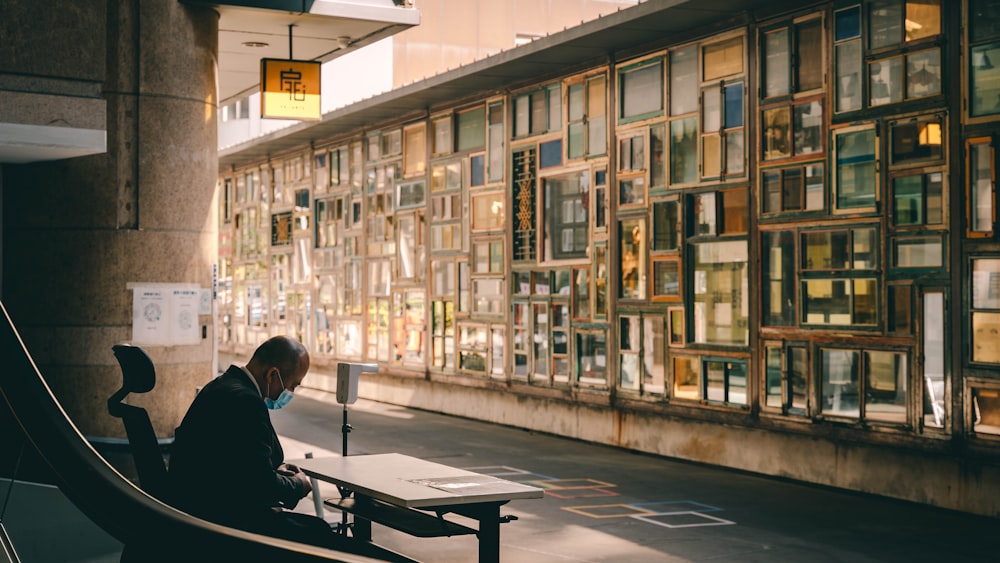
[[165, 314]]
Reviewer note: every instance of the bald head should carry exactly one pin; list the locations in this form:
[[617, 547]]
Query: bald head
[[280, 354]]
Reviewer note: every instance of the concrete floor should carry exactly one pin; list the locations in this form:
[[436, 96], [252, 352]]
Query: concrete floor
[[604, 504], [601, 504]]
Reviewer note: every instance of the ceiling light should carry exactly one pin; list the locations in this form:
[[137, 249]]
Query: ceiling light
[[255, 44]]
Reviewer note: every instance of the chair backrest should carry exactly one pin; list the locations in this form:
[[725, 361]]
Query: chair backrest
[[138, 376]]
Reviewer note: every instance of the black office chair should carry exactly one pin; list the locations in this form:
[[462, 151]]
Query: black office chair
[[138, 376]]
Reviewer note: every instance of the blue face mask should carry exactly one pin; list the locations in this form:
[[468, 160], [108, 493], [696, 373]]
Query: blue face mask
[[283, 399]]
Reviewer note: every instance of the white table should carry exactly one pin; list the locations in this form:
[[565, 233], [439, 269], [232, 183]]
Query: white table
[[412, 483]]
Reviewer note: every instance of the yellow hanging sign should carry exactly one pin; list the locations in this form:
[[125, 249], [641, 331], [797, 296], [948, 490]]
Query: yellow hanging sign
[[290, 89]]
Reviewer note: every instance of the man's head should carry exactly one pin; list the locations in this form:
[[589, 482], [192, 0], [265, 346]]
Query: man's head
[[279, 363]]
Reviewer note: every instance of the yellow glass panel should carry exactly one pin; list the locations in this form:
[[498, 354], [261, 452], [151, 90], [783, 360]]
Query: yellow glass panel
[[723, 59]]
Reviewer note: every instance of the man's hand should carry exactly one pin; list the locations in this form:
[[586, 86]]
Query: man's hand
[[294, 472]]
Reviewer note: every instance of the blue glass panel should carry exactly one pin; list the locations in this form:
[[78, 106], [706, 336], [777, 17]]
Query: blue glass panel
[[734, 105], [550, 153], [477, 170], [848, 23]]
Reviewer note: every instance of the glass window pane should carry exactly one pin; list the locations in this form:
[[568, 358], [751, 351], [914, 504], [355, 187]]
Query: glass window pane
[[984, 19], [721, 293], [934, 195], [654, 357], [711, 154], [809, 41], [597, 142], [684, 81], [711, 110], [825, 250], [935, 406], [826, 302], [684, 150], [566, 227], [734, 152], [985, 82], [657, 165], [596, 119], [885, 386], [885, 23], [808, 128], [736, 383], [704, 214], [581, 293], [735, 211], [923, 74], [885, 81], [798, 378], [715, 381], [791, 190], [723, 58], [985, 411], [777, 133], [986, 283], [575, 101], [865, 302], [687, 380], [815, 194], [574, 140], [923, 19], [631, 191], [666, 278], [919, 139], [633, 253], [848, 23], [771, 188], [839, 382], [628, 344], [900, 309], [919, 252], [600, 280], [554, 107], [734, 105], [981, 187], [864, 248], [666, 225], [773, 377], [776, 63], [538, 120], [848, 63], [472, 129], [642, 90], [779, 278], [907, 200], [856, 178], [985, 335], [592, 357]]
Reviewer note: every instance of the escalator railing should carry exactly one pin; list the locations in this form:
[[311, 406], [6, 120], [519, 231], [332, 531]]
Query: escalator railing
[[114, 503]]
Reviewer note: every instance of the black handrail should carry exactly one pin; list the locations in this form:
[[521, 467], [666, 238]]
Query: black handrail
[[109, 499]]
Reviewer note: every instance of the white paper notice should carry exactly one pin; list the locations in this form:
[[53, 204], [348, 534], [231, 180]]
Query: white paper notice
[[165, 314]]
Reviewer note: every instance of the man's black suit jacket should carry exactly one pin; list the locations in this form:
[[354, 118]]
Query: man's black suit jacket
[[225, 453]]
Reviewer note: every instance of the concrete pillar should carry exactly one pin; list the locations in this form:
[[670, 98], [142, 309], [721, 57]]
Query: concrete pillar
[[79, 231]]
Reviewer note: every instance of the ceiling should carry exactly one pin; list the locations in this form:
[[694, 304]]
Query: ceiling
[[249, 30], [615, 36], [321, 30]]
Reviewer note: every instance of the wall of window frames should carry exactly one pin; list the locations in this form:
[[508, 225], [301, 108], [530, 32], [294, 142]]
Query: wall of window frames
[[794, 221]]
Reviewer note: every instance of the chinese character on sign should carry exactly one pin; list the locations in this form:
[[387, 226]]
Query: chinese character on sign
[[291, 82]]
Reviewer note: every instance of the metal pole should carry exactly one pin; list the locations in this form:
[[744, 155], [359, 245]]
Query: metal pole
[[290, 26], [345, 429]]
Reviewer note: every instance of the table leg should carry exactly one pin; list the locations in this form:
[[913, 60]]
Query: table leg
[[489, 533], [362, 526]]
